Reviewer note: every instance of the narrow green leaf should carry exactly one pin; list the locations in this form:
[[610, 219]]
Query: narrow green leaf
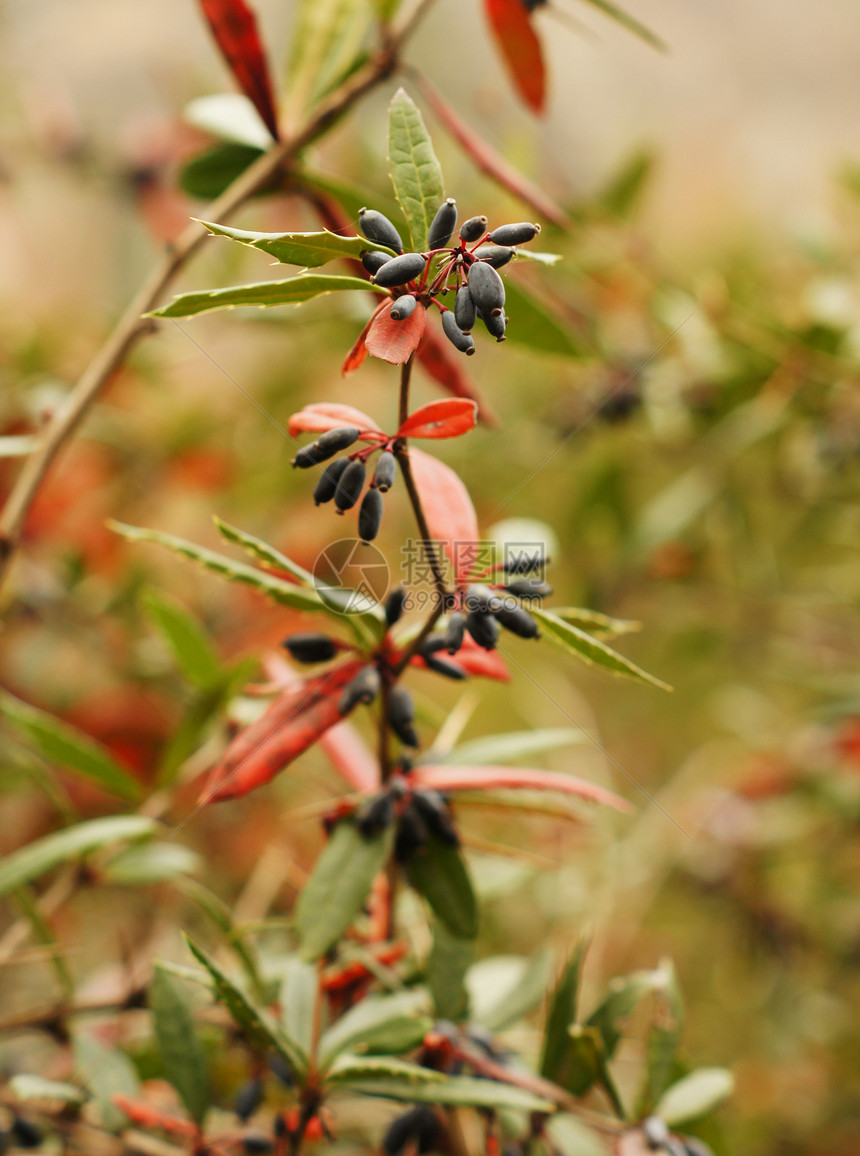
[[625, 992], [298, 998], [28, 1087], [537, 325], [571, 1137], [593, 622], [538, 255], [561, 1014], [65, 746], [182, 1054], [664, 1035], [293, 291], [262, 551], [591, 650], [256, 1024], [230, 116], [43, 855], [308, 249], [153, 863], [186, 638], [512, 746], [438, 872], [629, 22], [328, 36], [338, 886], [584, 1060], [359, 1069], [415, 171], [625, 187], [695, 1095], [43, 934], [208, 174], [106, 1072], [222, 917], [275, 588], [381, 1024], [456, 1092], [449, 960], [525, 995]]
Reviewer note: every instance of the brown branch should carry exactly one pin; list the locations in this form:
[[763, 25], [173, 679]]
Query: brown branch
[[132, 325]]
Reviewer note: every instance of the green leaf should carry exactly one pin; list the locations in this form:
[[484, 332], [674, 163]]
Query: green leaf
[[456, 1092], [593, 622], [230, 116], [555, 1052], [263, 552], [222, 917], [328, 36], [586, 1065], [207, 175], [571, 1137], [536, 324], [308, 249], [43, 855], [449, 960], [182, 1054], [625, 187], [298, 996], [185, 637], [381, 1024], [511, 746], [338, 886], [106, 1072], [663, 1037], [65, 746], [275, 588], [256, 1024], [625, 992], [293, 291], [537, 255], [415, 171], [27, 1087], [695, 1095], [438, 872], [523, 997], [632, 25], [360, 1069], [153, 863], [591, 650]]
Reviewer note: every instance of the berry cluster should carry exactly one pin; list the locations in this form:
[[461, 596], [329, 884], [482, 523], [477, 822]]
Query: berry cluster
[[468, 269], [343, 480], [417, 813]]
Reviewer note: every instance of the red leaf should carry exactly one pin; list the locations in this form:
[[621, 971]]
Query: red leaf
[[293, 722], [451, 517], [489, 161], [395, 341], [449, 418], [482, 663], [326, 415], [520, 48], [349, 755], [443, 365], [358, 352], [234, 27], [454, 778]]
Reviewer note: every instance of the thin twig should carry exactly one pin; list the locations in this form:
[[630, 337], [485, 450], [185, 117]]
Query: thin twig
[[133, 325]]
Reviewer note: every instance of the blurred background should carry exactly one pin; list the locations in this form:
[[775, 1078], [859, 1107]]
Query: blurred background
[[698, 463]]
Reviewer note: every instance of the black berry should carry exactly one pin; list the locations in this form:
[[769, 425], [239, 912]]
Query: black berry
[[370, 515], [363, 688], [514, 234], [473, 229], [310, 647], [378, 228], [326, 486], [442, 225], [403, 307], [465, 310], [495, 255], [401, 716], [373, 259], [460, 340], [487, 288], [394, 604], [385, 472], [399, 270], [350, 485]]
